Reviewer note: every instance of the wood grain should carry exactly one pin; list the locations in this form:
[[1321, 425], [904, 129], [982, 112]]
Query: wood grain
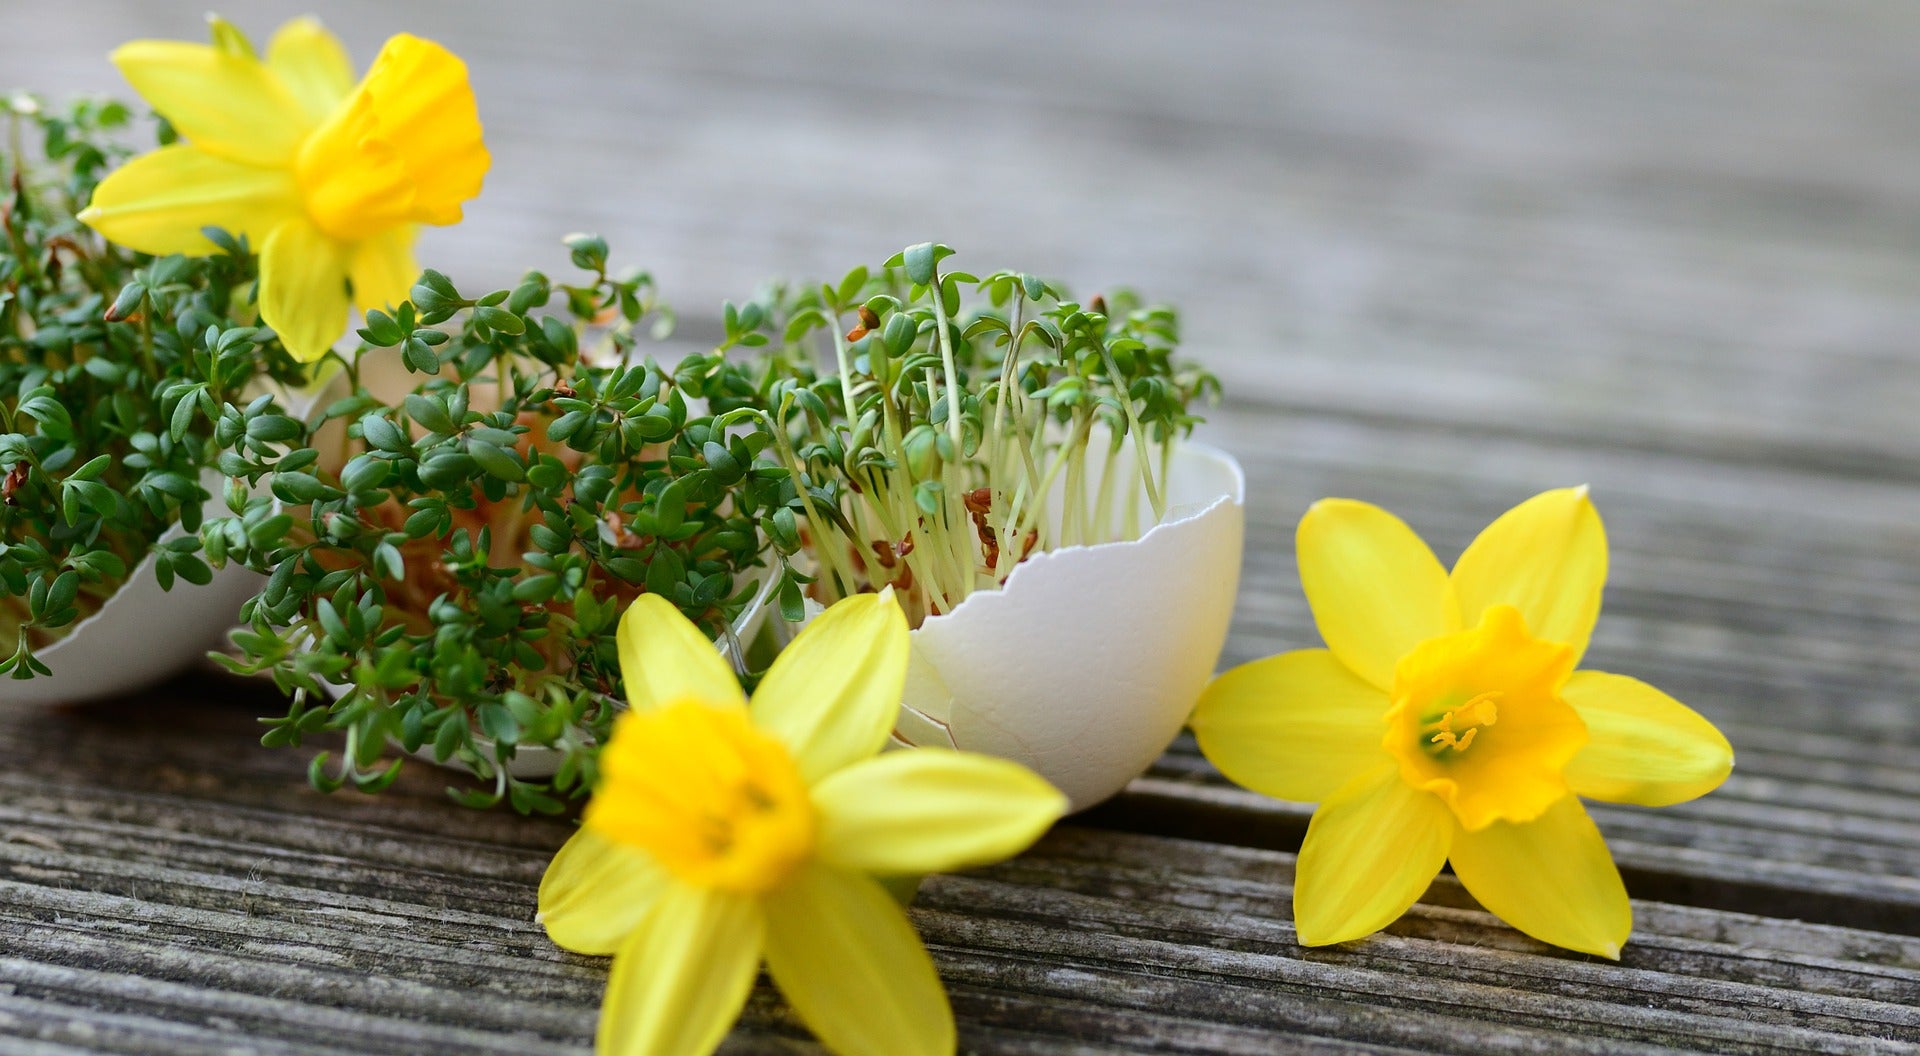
[[1444, 256]]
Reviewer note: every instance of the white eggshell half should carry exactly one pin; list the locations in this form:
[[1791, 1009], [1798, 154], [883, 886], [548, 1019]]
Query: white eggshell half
[[1087, 662], [142, 634]]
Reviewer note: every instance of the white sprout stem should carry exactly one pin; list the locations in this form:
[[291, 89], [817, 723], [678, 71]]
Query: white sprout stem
[[920, 560], [1034, 518], [840, 355], [1103, 503], [824, 532], [1140, 459], [947, 363]]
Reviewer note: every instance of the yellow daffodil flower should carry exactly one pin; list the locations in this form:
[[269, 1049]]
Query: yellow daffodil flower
[[327, 178], [1445, 721], [725, 832]]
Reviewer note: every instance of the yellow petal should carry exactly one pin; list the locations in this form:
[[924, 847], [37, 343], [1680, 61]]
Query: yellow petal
[[230, 38], [931, 811], [312, 64], [383, 269], [1376, 589], [226, 104], [842, 952], [159, 202], [1372, 849], [681, 978], [833, 694], [596, 891], [1546, 557], [1294, 726], [405, 147], [1645, 746], [427, 108], [303, 289], [1551, 878], [664, 658]]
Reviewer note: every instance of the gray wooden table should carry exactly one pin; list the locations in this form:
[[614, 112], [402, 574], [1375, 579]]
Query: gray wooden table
[[1444, 255]]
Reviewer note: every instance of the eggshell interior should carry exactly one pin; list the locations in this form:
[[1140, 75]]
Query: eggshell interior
[[142, 634], [1086, 663]]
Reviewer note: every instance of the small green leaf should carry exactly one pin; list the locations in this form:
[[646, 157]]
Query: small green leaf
[[430, 412], [589, 252], [498, 462], [274, 428], [665, 572], [94, 467], [726, 468], [793, 607], [498, 723], [383, 434]]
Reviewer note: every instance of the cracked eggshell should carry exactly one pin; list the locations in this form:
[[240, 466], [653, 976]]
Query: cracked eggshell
[[1085, 665], [142, 634]]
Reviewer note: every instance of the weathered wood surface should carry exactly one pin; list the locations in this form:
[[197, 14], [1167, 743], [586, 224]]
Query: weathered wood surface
[[1444, 255]]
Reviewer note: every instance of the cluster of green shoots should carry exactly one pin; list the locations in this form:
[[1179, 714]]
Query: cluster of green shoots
[[452, 517], [970, 423], [108, 385], [449, 547]]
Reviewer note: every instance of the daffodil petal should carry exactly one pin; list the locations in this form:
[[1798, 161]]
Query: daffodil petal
[[931, 811], [1372, 849], [833, 695], [312, 64], [841, 950], [1294, 726], [1546, 557], [303, 289], [664, 658], [681, 978], [159, 202], [1376, 590], [1551, 878], [1644, 746], [404, 148], [428, 114], [227, 104], [596, 891], [383, 269]]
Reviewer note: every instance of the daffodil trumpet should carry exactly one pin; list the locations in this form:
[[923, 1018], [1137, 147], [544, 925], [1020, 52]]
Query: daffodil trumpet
[[329, 179], [726, 833], [1447, 721]]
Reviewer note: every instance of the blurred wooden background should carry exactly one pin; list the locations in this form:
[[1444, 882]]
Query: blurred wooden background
[[1444, 256]]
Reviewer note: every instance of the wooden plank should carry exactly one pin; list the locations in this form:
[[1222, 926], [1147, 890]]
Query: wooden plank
[[181, 911], [1685, 972], [208, 885], [1361, 205]]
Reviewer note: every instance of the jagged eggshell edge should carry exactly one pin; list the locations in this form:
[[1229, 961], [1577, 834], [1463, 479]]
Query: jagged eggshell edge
[[1087, 662]]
